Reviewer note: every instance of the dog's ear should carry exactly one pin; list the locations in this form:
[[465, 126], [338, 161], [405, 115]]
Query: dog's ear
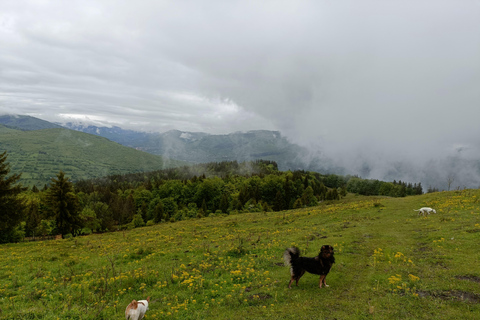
[[148, 299]]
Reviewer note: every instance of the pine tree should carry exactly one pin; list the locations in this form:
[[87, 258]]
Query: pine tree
[[332, 194], [224, 203], [287, 187], [419, 189], [63, 202], [298, 204], [308, 198], [11, 206], [305, 182], [158, 212], [279, 203], [128, 208]]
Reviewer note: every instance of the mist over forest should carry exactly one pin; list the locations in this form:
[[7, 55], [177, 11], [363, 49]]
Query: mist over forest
[[447, 172], [455, 169]]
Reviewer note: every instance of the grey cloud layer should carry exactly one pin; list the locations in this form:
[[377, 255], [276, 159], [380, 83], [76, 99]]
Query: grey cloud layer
[[388, 79]]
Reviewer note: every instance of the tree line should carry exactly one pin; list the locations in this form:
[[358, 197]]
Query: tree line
[[133, 200]]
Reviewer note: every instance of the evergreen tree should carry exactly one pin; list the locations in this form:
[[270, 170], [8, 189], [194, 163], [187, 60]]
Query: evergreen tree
[[305, 182], [236, 204], [332, 194], [298, 204], [256, 193], [243, 195], [279, 203], [287, 187], [343, 191], [224, 203], [33, 216], [419, 189], [266, 207], [308, 198], [63, 203], [11, 205], [128, 208], [158, 212], [204, 206]]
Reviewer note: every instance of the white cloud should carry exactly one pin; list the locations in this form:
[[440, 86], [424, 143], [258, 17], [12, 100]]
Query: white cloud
[[390, 79]]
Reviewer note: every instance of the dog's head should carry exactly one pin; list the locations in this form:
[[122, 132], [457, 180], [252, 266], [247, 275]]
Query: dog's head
[[327, 253]]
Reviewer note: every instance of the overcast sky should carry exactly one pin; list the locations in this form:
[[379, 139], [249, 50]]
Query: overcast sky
[[388, 78]]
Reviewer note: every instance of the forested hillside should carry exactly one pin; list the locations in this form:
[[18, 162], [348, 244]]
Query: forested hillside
[[201, 147], [126, 201], [41, 154]]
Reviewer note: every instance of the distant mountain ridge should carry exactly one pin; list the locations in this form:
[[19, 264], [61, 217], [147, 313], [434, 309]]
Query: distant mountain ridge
[[200, 147], [40, 154], [26, 123], [40, 149], [448, 172], [271, 145], [125, 137]]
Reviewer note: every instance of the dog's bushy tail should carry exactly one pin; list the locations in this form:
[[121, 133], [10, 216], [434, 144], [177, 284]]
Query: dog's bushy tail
[[291, 254]]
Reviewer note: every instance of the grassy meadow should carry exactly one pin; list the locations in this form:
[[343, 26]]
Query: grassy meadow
[[390, 264]]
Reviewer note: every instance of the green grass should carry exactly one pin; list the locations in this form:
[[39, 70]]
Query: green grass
[[390, 264], [40, 155]]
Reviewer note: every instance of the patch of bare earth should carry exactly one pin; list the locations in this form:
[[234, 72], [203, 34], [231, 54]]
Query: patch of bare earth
[[469, 278], [452, 296]]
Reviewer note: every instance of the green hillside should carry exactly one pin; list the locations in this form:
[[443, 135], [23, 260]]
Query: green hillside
[[391, 263], [26, 122], [41, 154], [4, 129]]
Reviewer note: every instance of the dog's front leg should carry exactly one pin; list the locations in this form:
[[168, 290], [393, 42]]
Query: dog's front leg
[[290, 283], [322, 281]]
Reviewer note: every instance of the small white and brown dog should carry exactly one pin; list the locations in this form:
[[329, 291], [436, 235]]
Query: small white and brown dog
[[425, 210], [136, 309]]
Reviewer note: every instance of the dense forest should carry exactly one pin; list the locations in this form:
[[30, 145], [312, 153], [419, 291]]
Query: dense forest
[[127, 201]]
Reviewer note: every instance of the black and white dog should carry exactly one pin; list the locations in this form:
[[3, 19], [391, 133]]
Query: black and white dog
[[320, 264]]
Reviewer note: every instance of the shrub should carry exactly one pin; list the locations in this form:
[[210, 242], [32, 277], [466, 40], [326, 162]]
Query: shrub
[[138, 220]]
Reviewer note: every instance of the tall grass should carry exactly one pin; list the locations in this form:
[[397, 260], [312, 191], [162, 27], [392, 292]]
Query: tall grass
[[391, 264]]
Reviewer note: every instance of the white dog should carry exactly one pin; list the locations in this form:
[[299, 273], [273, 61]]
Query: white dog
[[425, 210], [136, 309]]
